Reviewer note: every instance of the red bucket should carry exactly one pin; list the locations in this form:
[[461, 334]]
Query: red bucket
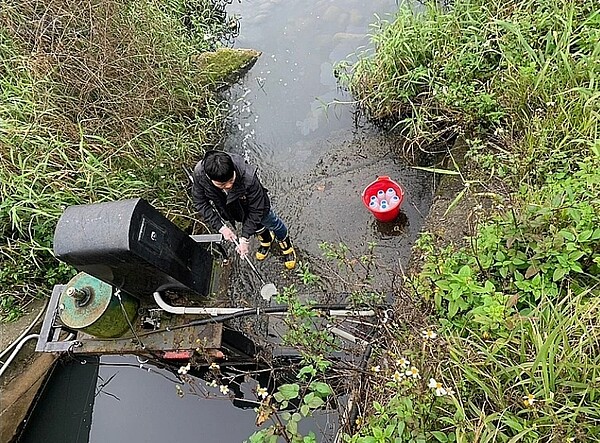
[[383, 183]]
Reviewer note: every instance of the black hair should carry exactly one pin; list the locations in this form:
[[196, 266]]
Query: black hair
[[218, 166]]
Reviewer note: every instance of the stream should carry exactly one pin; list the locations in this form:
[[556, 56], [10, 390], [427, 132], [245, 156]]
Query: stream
[[289, 116]]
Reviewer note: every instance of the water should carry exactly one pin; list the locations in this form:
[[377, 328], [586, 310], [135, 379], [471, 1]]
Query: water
[[287, 104], [116, 400], [288, 116]]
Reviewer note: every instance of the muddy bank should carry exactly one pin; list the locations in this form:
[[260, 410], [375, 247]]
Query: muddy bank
[[25, 376]]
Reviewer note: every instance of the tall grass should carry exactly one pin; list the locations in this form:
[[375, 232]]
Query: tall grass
[[521, 74], [554, 355], [100, 101], [539, 383], [518, 306]]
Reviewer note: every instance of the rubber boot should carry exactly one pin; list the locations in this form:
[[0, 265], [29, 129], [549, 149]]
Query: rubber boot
[[266, 239], [289, 253]]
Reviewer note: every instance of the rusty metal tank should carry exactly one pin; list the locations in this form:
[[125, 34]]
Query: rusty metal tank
[[92, 306]]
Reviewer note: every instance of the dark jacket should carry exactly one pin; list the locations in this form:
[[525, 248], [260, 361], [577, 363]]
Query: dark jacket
[[247, 202]]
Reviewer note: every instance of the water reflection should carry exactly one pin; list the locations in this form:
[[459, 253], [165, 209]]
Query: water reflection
[[64, 411], [291, 97]]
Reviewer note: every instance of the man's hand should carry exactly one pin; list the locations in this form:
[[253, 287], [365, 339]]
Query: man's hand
[[227, 233], [243, 247]]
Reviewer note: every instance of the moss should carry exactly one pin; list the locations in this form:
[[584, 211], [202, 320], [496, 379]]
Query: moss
[[225, 65]]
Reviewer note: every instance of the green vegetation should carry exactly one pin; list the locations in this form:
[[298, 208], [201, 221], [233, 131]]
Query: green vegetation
[[308, 395], [518, 349], [100, 101], [320, 339]]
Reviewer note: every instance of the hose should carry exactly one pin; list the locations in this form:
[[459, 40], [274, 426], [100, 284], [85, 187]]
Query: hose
[[25, 332], [16, 351]]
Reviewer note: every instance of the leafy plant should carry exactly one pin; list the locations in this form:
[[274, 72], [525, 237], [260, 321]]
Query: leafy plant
[[305, 398]]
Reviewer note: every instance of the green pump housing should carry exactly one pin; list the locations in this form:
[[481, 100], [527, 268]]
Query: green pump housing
[[91, 306]]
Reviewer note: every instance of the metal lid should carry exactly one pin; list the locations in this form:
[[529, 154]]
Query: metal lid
[[84, 300]]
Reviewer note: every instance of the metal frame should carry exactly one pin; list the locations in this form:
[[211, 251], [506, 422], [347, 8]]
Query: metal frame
[[52, 330], [49, 340]]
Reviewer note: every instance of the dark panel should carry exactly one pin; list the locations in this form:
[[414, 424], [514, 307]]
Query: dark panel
[[132, 246]]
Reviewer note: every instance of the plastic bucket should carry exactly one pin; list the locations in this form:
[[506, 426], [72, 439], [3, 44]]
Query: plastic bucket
[[383, 183]]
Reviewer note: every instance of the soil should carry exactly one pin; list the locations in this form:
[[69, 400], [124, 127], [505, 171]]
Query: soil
[[21, 382]]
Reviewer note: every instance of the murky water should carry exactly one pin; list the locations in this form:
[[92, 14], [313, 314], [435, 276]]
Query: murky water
[[289, 116]]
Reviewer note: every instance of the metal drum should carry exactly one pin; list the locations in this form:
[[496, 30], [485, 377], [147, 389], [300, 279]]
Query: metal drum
[[92, 306]]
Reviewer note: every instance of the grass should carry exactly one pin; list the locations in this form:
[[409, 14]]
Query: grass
[[517, 306], [525, 71], [106, 106], [552, 355]]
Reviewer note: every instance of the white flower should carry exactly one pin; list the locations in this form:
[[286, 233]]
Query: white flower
[[179, 391], [212, 384], [403, 362], [529, 400], [224, 389], [428, 334], [375, 368], [184, 369], [397, 377], [450, 391], [412, 372], [439, 389], [214, 366], [261, 392]]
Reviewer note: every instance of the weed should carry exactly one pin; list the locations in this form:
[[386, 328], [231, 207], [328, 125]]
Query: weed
[[100, 102], [9, 309]]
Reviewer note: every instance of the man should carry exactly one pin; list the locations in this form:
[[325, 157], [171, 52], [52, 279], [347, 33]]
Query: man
[[226, 183]]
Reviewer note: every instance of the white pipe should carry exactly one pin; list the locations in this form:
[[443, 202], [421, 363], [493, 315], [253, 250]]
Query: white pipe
[[25, 332], [346, 335], [16, 351], [188, 310], [350, 313], [180, 310]]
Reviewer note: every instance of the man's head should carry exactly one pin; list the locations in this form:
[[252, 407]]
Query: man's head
[[218, 166]]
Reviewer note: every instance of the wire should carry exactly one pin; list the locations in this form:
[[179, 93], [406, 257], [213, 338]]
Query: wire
[[25, 332], [245, 313], [118, 294], [16, 351]]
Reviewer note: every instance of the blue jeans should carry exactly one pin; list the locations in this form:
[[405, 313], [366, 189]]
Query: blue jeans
[[273, 223]]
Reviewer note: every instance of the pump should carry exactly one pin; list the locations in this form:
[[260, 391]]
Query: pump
[[133, 247], [129, 253], [129, 256]]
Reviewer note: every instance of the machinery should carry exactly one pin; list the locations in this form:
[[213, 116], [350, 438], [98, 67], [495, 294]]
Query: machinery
[[134, 263], [131, 258]]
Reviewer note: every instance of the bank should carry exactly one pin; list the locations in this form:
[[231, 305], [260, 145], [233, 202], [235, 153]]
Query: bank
[[509, 294], [76, 122]]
